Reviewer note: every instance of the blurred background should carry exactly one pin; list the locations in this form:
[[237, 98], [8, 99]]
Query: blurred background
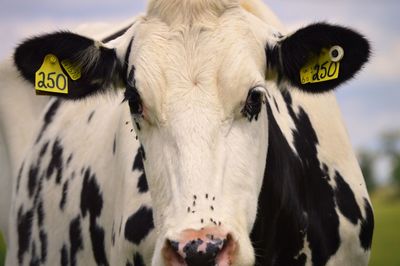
[[370, 104]]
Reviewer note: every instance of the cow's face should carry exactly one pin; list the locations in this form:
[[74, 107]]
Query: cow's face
[[196, 94]]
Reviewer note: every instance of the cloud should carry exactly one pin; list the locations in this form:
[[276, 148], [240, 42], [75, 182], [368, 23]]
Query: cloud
[[385, 62]]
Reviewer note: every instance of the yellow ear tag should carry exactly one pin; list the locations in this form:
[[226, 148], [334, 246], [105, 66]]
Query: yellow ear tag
[[73, 71], [50, 77], [323, 67]]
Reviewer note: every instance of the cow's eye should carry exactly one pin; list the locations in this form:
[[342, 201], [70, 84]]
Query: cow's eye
[[134, 100], [254, 102], [132, 95]]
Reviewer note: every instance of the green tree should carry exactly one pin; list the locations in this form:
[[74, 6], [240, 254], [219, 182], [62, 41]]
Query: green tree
[[367, 162], [396, 169], [391, 148]]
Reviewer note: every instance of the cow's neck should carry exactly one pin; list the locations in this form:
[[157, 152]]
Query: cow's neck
[[187, 12]]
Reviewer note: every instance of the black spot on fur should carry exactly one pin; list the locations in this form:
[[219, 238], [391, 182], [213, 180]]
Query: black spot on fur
[[142, 184], [139, 225], [113, 234], [92, 204], [296, 200], [43, 149], [98, 245], [367, 227], [114, 144], [346, 201], [91, 198], [64, 195], [35, 260], [64, 256], [32, 179], [56, 162], [90, 116], [138, 165], [75, 238], [20, 175], [138, 260], [40, 212], [143, 152], [69, 159], [43, 245], [48, 117], [138, 162], [276, 105], [24, 230], [120, 226]]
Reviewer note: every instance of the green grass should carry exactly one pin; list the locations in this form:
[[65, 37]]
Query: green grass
[[2, 250], [386, 241]]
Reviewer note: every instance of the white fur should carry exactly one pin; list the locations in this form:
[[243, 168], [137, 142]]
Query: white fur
[[19, 113]]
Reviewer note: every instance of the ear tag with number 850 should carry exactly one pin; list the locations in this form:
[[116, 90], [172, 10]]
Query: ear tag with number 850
[[323, 67], [50, 77]]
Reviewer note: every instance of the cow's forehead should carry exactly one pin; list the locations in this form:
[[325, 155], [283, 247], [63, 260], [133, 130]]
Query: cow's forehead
[[219, 61]]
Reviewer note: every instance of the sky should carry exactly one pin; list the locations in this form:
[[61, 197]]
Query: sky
[[370, 103]]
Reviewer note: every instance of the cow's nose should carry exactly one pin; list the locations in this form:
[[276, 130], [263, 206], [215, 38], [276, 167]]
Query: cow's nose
[[206, 247]]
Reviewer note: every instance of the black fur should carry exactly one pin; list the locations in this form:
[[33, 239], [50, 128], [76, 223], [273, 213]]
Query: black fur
[[138, 260], [29, 57], [32, 179], [35, 261], [139, 225], [142, 185], [48, 117], [75, 239], [114, 149], [64, 256], [367, 227], [293, 52], [43, 245], [138, 165], [56, 162], [346, 201], [296, 200], [90, 116], [64, 194], [21, 169], [24, 230], [92, 204]]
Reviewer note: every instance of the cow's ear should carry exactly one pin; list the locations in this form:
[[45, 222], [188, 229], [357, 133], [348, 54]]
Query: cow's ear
[[318, 57], [70, 62]]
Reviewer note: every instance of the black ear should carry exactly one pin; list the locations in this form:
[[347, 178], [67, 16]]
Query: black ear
[[98, 65], [303, 48]]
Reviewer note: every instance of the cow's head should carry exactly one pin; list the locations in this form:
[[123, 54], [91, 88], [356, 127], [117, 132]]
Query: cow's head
[[195, 84]]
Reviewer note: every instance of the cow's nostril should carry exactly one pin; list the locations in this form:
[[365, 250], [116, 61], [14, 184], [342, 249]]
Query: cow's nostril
[[202, 253], [171, 254], [200, 249]]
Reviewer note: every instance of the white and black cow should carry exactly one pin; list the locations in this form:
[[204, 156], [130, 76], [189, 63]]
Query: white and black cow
[[244, 164]]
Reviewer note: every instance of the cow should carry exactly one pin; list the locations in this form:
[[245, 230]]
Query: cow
[[192, 138]]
